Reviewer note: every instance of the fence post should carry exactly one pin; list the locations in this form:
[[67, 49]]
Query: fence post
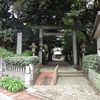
[[29, 75]]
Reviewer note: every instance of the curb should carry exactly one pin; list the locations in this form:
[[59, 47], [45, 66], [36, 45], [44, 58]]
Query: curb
[[4, 97]]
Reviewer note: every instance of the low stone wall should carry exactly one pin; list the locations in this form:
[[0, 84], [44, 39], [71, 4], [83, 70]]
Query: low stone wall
[[28, 74], [93, 77]]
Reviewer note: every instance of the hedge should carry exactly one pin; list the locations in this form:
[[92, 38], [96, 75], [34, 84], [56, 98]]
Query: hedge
[[90, 62], [21, 61]]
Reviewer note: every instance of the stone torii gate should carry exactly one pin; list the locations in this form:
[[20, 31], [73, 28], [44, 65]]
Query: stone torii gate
[[42, 33]]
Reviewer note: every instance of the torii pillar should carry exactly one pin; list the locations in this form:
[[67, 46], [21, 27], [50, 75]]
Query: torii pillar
[[40, 45], [74, 49]]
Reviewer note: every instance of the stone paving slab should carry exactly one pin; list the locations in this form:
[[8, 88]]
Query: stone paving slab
[[69, 88]]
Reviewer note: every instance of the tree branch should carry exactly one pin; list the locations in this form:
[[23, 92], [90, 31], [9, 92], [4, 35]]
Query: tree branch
[[86, 35]]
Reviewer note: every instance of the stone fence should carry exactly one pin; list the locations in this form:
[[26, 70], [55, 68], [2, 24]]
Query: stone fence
[[93, 77], [2, 64], [28, 74]]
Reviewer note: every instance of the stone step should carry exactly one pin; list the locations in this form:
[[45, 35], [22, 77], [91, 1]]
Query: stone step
[[70, 75], [71, 72]]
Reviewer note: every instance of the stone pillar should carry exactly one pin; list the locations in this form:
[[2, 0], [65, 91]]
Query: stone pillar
[[19, 43], [40, 44], [74, 49], [29, 75]]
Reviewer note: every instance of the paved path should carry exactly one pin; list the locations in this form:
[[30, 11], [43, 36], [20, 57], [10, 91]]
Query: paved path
[[63, 66], [67, 88]]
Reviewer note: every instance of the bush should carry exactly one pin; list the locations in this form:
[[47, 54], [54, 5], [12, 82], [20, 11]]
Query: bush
[[12, 84], [26, 53], [5, 53], [90, 62], [21, 61]]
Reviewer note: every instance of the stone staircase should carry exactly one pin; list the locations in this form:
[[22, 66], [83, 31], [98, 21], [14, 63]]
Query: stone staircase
[[71, 74]]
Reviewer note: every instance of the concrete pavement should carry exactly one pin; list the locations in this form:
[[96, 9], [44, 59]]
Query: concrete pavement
[[67, 88]]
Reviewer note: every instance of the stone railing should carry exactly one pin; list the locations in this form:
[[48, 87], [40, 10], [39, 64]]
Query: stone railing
[[93, 77], [2, 64], [56, 75], [28, 74]]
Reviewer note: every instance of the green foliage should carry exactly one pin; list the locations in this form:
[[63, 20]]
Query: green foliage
[[7, 36], [26, 53], [81, 38], [4, 9], [5, 53], [41, 11], [12, 84], [21, 61], [90, 61], [77, 16]]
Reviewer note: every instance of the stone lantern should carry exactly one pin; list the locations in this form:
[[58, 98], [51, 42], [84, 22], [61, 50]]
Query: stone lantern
[[83, 49], [33, 46]]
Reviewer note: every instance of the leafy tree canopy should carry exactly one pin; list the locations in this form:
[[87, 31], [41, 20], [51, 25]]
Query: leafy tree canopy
[[42, 11], [4, 9], [56, 12]]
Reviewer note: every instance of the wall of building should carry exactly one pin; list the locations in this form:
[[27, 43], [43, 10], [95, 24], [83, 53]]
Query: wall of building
[[98, 46]]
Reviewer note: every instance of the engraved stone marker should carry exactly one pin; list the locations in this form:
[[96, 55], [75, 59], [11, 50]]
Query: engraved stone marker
[[19, 43]]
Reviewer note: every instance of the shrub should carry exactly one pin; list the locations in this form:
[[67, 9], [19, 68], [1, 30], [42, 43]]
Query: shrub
[[90, 61], [26, 53], [12, 84], [21, 61], [5, 53]]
